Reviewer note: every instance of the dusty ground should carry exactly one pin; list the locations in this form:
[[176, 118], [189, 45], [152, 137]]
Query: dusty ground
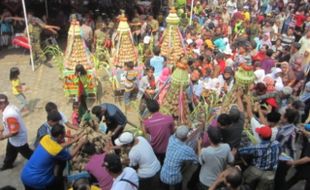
[[44, 86]]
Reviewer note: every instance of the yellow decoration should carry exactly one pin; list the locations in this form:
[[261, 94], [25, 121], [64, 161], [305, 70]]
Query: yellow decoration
[[125, 49], [172, 46], [76, 51]]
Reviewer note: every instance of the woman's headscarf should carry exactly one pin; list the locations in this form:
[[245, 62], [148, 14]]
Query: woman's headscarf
[[274, 73], [231, 72], [260, 75], [268, 80], [164, 75], [285, 64], [277, 79]]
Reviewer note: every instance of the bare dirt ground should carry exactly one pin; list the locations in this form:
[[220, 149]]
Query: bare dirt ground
[[44, 86]]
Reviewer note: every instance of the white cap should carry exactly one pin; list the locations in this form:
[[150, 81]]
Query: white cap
[[124, 138], [182, 132]]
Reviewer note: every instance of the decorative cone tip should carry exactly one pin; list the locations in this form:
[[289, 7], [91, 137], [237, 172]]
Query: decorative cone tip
[[122, 16], [173, 10]]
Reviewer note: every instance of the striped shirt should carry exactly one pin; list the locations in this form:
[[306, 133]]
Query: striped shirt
[[287, 40], [286, 136], [265, 155]]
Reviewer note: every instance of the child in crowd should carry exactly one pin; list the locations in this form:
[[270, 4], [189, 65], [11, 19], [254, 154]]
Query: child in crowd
[[130, 82], [18, 89], [75, 114], [163, 84]]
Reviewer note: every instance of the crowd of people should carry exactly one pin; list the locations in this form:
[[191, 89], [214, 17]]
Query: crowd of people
[[261, 142]]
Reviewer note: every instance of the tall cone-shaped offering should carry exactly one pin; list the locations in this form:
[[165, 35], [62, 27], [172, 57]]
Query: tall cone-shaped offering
[[172, 43], [125, 49], [176, 102], [76, 51]]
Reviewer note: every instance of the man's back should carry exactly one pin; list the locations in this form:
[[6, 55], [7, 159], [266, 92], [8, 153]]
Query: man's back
[[159, 127], [158, 63], [214, 160], [39, 170], [265, 155], [43, 130], [142, 155], [286, 136], [232, 134], [127, 180], [115, 115], [177, 153]]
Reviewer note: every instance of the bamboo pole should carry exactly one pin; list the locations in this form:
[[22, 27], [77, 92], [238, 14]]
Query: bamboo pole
[[28, 35]]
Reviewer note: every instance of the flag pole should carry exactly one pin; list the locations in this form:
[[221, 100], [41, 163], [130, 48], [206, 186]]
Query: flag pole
[[46, 8], [28, 35], [191, 17]]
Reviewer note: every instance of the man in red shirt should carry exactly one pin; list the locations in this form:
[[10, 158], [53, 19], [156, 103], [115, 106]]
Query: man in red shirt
[[300, 19]]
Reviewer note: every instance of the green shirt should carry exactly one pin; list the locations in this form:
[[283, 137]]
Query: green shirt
[[35, 33]]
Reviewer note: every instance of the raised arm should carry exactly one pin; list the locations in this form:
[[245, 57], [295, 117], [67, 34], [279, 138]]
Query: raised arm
[[75, 150], [239, 100], [248, 106], [15, 18], [262, 118], [51, 28], [301, 161]]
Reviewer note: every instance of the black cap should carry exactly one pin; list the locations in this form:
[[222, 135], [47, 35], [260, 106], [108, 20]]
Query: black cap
[[54, 116], [113, 163], [3, 98]]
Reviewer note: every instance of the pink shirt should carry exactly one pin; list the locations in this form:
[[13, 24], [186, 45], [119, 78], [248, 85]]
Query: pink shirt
[[75, 118], [94, 167], [205, 137], [159, 127]]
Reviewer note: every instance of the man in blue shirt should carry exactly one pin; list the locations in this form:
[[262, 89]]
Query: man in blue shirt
[[38, 173], [157, 62], [287, 137], [53, 118], [115, 119], [177, 154], [264, 162]]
